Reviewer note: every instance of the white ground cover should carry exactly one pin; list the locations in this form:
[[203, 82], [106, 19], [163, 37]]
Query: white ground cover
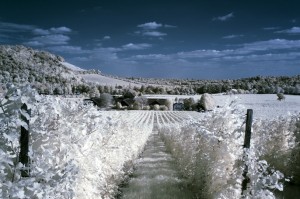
[[265, 106], [79, 152], [71, 66], [107, 81], [76, 151], [209, 153]]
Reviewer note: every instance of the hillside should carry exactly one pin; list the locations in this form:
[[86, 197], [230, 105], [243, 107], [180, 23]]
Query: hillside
[[49, 73], [43, 70]]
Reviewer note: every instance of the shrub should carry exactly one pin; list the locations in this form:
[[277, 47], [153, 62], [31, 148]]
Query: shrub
[[207, 102], [156, 107], [280, 96], [188, 104], [118, 106]]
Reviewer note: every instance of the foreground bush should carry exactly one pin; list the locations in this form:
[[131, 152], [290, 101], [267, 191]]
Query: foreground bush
[[209, 153], [75, 150]]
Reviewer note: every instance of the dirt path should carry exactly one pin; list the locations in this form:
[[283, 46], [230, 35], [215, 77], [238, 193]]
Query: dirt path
[[156, 175]]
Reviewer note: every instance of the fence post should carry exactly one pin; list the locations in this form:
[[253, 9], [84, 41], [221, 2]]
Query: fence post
[[24, 142], [249, 119]]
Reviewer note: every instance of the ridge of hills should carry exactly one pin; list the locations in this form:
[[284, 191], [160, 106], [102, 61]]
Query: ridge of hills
[[51, 74]]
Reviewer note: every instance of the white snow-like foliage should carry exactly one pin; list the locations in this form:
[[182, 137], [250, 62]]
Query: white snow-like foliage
[[207, 102], [208, 148], [75, 151]]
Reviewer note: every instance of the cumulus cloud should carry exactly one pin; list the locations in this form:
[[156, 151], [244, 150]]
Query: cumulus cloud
[[151, 29], [154, 34], [260, 53], [273, 44], [60, 30], [132, 46], [150, 25], [57, 39], [224, 18], [232, 36], [39, 31], [293, 30], [54, 30], [261, 50]]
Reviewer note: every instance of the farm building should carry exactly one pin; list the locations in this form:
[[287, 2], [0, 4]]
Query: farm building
[[178, 107]]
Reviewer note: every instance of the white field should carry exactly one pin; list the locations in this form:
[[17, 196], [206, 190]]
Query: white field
[[107, 81], [110, 81], [264, 106], [72, 67], [100, 79]]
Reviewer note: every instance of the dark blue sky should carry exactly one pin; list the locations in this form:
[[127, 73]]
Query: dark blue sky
[[203, 39]]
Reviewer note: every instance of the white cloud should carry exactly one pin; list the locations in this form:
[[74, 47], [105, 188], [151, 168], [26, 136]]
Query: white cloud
[[14, 28], [261, 50], [132, 46], [273, 44], [106, 54], [154, 34], [224, 18], [57, 39], [60, 30], [293, 30], [153, 58], [106, 37], [232, 36], [68, 49], [53, 30], [261, 54], [39, 31], [151, 29], [150, 25]]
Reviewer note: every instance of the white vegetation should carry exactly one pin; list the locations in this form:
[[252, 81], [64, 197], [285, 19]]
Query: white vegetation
[[208, 149], [77, 151], [207, 102]]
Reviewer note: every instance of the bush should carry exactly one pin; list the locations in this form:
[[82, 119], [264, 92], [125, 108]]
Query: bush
[[188, 104], [130, 94], [156, 107], [280, 96], [207, 102], [104, 101], [163, 108]]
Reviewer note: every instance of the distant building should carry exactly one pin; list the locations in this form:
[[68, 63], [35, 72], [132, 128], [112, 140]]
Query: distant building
[[178, 107]]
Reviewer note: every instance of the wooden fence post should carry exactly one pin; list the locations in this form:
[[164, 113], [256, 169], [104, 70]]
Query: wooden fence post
[[24, 143], [249, 119]]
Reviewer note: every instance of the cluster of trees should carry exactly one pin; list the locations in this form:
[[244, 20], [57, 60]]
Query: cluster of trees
[[260, 85]]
